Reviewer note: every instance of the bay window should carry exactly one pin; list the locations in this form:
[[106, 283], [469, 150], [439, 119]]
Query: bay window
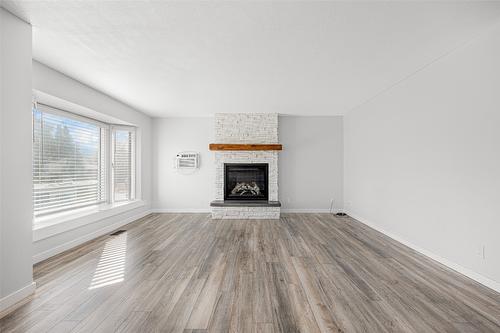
[[79, 161]]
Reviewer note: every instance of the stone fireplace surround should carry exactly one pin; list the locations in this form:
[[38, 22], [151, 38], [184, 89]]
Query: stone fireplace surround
[[251, 128]]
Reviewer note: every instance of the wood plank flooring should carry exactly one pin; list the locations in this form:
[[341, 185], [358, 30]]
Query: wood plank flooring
[[303, 273]]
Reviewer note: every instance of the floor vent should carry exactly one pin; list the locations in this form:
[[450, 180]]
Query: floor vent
[[116, 233]]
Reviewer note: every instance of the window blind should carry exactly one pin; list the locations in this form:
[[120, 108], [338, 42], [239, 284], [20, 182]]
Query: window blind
[[123, 164], [69, 161]]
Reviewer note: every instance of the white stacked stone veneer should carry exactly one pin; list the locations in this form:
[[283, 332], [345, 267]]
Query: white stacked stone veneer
[[246, 128]]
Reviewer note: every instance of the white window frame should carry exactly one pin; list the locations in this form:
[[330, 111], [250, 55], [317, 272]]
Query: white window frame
[[45, 223]]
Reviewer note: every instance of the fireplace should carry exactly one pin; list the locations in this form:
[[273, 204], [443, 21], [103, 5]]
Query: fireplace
[[246, 166], [246, 181]]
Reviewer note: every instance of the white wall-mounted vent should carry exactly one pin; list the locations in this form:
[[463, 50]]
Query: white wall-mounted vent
[[187, 160]]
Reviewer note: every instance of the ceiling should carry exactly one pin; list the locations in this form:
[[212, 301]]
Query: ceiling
[[196, 58]]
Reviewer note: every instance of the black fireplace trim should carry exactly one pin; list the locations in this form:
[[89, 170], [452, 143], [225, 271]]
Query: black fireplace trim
[[266, 177]]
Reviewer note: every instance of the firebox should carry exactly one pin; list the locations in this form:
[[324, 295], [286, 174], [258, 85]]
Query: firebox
[[246, 181]]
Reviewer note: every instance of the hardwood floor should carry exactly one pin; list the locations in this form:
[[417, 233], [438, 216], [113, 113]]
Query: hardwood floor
[[302, 273]]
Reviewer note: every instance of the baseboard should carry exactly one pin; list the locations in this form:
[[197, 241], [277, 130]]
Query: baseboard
[[308, 210], [11, 302], [492, 284], [66, 246], [207, 210], [203, 210], [180, 210]]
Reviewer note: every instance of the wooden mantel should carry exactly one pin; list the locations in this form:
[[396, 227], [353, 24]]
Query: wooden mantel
[[245, 146]]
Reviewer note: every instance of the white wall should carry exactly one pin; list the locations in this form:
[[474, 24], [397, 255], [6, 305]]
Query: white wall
[[15, 160], [171, 189], [303, 138], [57, 84], [311, 163], [422, 160]]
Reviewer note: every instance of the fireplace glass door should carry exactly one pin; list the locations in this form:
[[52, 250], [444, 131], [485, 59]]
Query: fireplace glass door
[[247, 181]]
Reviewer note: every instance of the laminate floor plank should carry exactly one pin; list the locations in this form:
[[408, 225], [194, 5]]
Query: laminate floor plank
[[306, 273]]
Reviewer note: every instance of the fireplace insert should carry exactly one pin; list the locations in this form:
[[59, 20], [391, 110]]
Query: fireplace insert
[[246, 181]]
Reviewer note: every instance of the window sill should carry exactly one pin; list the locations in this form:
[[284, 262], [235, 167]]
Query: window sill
[[51, 225]]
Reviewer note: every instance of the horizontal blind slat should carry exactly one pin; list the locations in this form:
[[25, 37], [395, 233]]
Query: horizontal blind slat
[[122, 164]]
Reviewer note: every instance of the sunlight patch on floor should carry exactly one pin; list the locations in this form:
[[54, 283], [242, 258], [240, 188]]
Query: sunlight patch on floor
[[111, 266]]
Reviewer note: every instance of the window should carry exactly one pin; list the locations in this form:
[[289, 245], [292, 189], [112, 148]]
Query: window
[[71, 161], [123, 164]]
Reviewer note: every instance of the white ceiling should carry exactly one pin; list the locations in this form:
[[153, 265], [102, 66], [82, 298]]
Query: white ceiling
[[196, 58]]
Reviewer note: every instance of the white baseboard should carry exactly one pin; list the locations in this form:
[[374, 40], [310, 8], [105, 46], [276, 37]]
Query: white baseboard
[[492, 284], [180, 210], [307, 210], [9, 302], [204, 210], [207, 210], [66, 246]]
